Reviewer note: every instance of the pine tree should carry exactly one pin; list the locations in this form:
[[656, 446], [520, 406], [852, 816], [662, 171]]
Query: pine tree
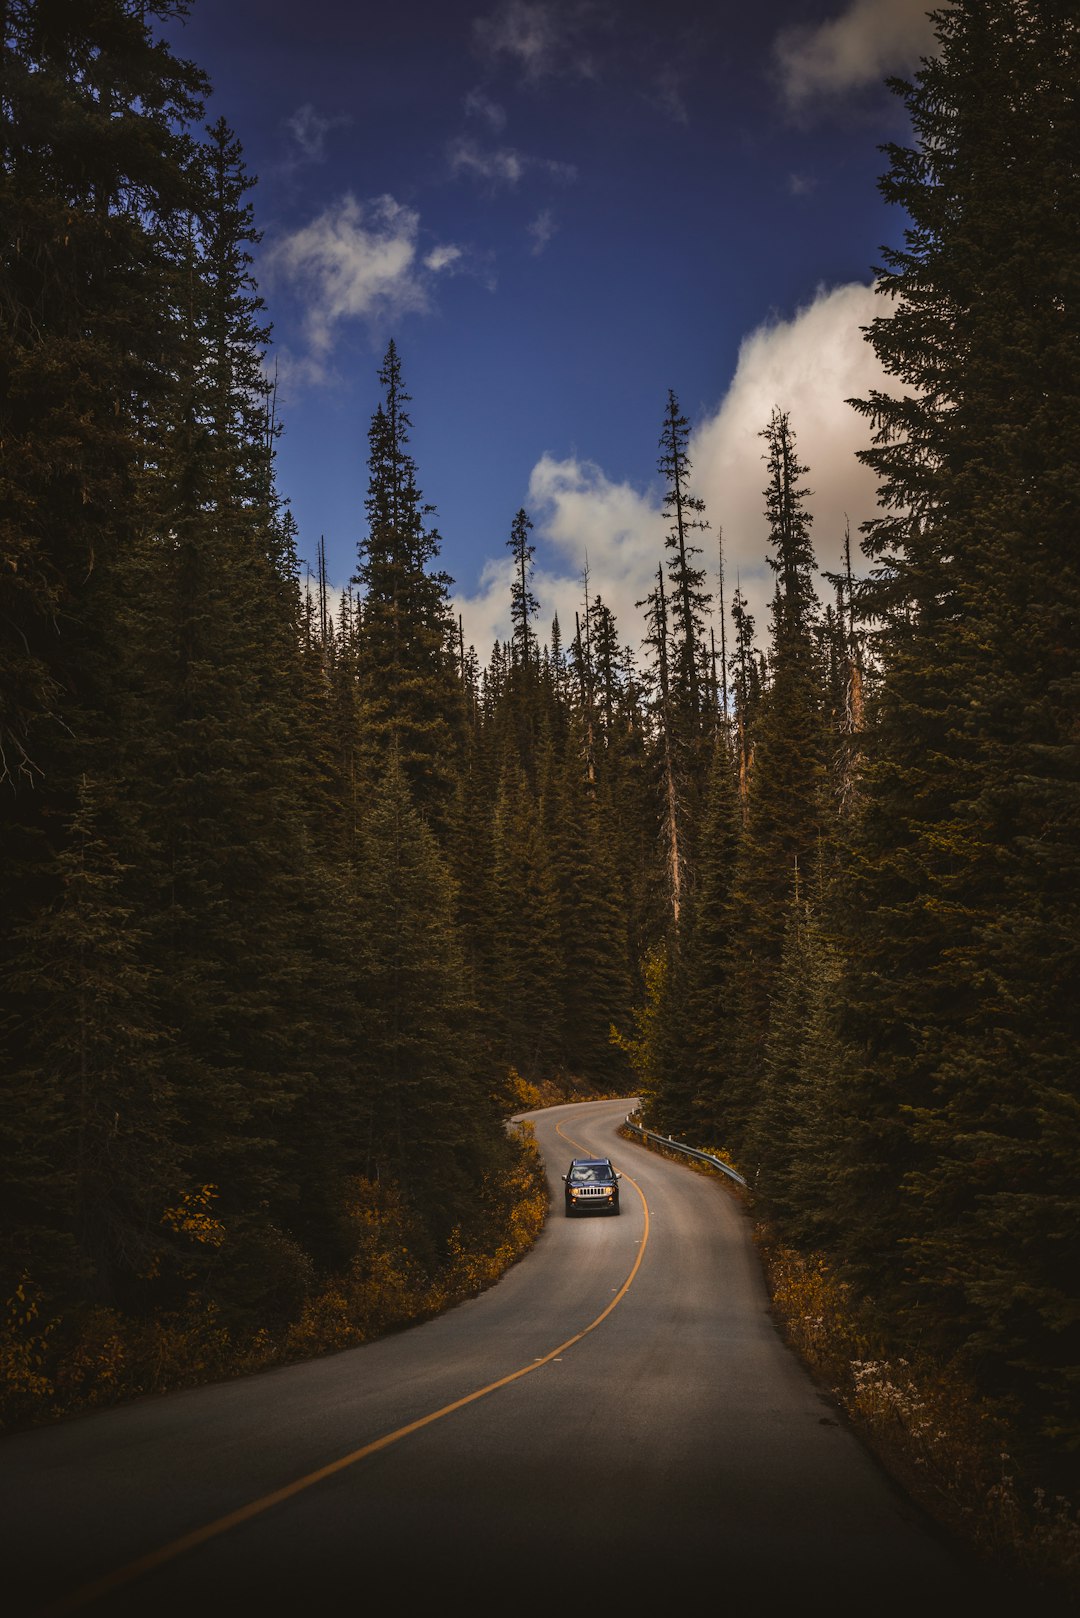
[[594, 970], [668, 759], [960, 913], [89, 1121], [523, 604], [428, 1117], [95, 178], [785, 800], [406, 634], [98, 176], [707, 950], [747, 689], [523, 969], [690, 600]]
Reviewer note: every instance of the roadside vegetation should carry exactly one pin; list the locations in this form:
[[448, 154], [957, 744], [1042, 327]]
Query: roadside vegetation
[[96, 1357]]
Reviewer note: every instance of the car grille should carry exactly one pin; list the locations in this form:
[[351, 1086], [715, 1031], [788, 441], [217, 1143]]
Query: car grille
[[592, 1191]]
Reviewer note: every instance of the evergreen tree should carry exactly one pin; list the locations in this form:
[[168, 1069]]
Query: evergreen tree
[[747, 689], [523, 604], [670, 777], [594, 971], [89, 1122], [960, 915], [428, 1117], [405, 640], [785, 797], [690, 600], [523, 969], [95, 178], [708, 947]]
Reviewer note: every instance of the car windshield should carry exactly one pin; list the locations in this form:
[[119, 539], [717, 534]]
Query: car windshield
[[587, 1173]]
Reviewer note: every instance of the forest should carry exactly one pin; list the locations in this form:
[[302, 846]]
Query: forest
[[300, 903]]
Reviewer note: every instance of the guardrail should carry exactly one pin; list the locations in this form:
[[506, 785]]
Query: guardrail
[[687, 1151]]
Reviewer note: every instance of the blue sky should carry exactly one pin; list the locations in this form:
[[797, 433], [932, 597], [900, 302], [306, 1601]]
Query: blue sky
[[560, 209]]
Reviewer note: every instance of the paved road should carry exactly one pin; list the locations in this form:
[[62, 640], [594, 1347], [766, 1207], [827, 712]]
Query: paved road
[[617, 1417]]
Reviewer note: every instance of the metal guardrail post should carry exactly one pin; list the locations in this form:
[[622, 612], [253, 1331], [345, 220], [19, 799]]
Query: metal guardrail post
[[688, 1151]]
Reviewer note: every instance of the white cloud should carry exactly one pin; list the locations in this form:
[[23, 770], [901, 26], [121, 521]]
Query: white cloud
[[356, 262], [864, 44], [808, 365], [539, 37], [500, 165], [442, 258], [309, 591], [581, 517]]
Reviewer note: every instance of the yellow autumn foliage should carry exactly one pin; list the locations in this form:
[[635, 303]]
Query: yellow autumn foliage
[[101, 1356]]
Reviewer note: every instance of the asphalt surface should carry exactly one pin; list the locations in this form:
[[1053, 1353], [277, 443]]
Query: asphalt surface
[[616, 1421]]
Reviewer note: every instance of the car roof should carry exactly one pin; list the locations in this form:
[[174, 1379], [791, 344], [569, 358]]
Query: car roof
[[590, 1160]]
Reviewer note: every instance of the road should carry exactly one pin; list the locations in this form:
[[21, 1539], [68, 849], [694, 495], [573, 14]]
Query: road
[[617, 1417]]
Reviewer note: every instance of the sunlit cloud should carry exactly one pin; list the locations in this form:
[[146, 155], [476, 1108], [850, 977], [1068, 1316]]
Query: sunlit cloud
[[443, 258], [808, 365], [866, 42], [355, 262], [583, 520]]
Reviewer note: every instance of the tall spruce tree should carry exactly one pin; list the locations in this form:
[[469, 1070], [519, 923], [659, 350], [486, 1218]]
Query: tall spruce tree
[[961, 915], [97, 179], [429, 1117], [707, 949], [523, 604], [690, 600], [524, 976], [406, 633], [785, 786]]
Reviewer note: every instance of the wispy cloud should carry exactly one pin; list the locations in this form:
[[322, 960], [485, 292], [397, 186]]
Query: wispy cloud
[[307, 131], [540, 38], [866, 42], [541, 230], [356, 262], [808, 365], [443, 258], [501, 166], [667, 94], [479, 105]]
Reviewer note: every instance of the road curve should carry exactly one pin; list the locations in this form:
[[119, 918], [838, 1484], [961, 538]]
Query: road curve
[[617, 1416]]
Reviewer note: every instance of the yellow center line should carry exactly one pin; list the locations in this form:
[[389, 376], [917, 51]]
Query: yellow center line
[[221, 1525]]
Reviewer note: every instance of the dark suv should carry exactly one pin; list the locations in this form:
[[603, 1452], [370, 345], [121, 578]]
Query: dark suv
[[592, 1186]]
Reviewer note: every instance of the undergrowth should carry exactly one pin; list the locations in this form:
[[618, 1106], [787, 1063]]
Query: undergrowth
[[950, 1448], [56, 1367]]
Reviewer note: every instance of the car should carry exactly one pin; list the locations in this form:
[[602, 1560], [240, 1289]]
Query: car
[[592, 1186]]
